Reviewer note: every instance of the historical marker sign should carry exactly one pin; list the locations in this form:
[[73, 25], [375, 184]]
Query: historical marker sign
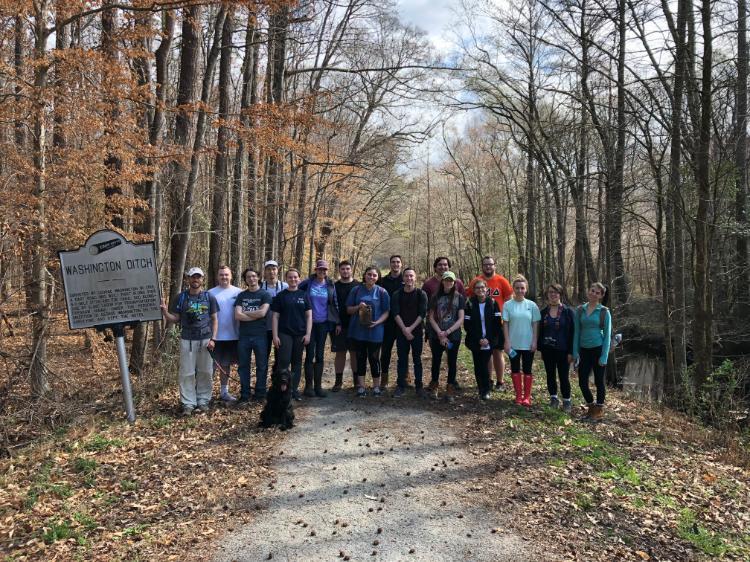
[[110, 280]]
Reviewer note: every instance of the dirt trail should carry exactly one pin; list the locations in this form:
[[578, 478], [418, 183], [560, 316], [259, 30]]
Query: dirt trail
[[374, 479]]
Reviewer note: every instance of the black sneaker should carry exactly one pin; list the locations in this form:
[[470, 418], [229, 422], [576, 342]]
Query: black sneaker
[[499, 387], [399, 392], [242, 402], [296, 395]]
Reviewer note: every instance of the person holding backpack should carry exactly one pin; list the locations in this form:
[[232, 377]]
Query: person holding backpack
[[196, 311], [556, 344], [593, 331], [409, 308], [446, 317], [368, 305], [484, 333]]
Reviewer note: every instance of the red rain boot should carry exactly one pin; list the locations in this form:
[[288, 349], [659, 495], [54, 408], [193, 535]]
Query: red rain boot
[[517, 386], [528, 381]]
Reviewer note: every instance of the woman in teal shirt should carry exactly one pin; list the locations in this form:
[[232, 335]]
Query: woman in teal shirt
[[593, 330]]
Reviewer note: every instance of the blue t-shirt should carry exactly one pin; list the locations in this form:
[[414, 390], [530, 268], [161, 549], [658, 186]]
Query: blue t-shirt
[[291, 306], [250, 301], [380, 302], [272, 290], [520, 317], [318, 294]]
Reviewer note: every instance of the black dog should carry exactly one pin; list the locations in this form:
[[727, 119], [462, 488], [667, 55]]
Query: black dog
[[278, 410]]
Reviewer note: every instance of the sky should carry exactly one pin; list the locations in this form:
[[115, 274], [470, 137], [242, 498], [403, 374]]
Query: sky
[[433, 16]]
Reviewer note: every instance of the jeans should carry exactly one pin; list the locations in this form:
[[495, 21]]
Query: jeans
[[246, 347], [196, 373], [290, 353], [525, 357], [556, 363], [481, 369], [437, 355], [589, 359], [390, 331], [367, 351], [402, 366], [317, 346]]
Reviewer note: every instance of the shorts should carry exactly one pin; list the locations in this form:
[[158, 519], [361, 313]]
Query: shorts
[[225, 352], [341, 342], [500, 342]]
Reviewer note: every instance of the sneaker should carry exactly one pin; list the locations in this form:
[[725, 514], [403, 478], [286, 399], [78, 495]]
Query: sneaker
[[554, 402], [296, 395], [567, 406], [242, 402], [228, 398], [399, 392], [499, 387], [309, 392], [201, 409], [376, 391], [422, 393], [485, 396], [187, 411], [361, 392]]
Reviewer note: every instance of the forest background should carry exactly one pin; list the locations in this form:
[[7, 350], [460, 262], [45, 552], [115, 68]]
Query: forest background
[[575, 140]]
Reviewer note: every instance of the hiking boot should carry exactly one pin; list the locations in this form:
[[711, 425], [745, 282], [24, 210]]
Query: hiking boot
[[597, 413], [339, 382], [450, 393], [433, 390], [361, 392], [587, 413], [554, 402], [201, 409], [309, 389], [318, 379], [187, 411], [567, 407], [399, 392]]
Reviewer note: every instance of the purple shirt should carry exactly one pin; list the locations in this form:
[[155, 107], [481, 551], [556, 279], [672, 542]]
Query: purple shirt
[[319, 300]]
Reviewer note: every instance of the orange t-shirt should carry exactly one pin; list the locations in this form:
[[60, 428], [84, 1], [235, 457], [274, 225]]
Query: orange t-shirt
[[498, 286]]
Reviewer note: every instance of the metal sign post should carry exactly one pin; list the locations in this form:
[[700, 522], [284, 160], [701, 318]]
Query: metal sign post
[[118, 330], [111, 282]]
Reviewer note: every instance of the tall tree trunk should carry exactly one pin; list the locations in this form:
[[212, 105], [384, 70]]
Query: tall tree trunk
[[703, 296], [242, 183], [221, 164], [181, 200], [674, 242], [114, 209], [299, 247], [740, 159], [38, 282]]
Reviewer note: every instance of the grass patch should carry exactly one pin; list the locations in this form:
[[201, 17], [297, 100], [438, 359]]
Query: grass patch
[[556, 462], [60, 530], [99, 443], [700, 537], [584, 501], [128, 485], [85, 521], [665, 501], [134, 531], [161, 421]]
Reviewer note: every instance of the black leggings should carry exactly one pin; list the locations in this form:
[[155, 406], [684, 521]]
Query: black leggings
[[481, 369], [522, 356], [556, 363], [367, 351], [437, 355], [589, 359]]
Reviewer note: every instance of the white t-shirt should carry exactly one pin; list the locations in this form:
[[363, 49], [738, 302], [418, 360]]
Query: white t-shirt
[[484, 326], [228, 326], [520, 317]]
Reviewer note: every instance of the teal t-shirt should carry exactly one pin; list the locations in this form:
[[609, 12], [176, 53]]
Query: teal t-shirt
[[520, 317], [589, 333]]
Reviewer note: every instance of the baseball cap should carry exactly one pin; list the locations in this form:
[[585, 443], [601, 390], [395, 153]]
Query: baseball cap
[[273, 263], [321, 264], [449, 275], [195, 271]]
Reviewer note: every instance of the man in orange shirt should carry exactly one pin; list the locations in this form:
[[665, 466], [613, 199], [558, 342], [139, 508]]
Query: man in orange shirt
[[500, 290]]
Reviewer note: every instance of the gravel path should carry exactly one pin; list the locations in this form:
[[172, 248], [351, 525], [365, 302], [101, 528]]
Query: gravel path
[[372, 479]]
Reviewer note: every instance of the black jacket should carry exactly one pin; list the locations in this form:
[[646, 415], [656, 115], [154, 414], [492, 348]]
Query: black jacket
[[557, 339], [473, 323]]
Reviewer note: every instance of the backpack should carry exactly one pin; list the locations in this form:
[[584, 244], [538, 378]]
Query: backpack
[[203, 297]]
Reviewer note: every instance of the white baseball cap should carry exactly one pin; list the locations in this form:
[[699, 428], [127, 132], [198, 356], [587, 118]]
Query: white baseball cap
[[272, 263], [195, 271]]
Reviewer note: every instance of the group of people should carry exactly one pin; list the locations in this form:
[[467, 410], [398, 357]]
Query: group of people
[[227, 325]]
